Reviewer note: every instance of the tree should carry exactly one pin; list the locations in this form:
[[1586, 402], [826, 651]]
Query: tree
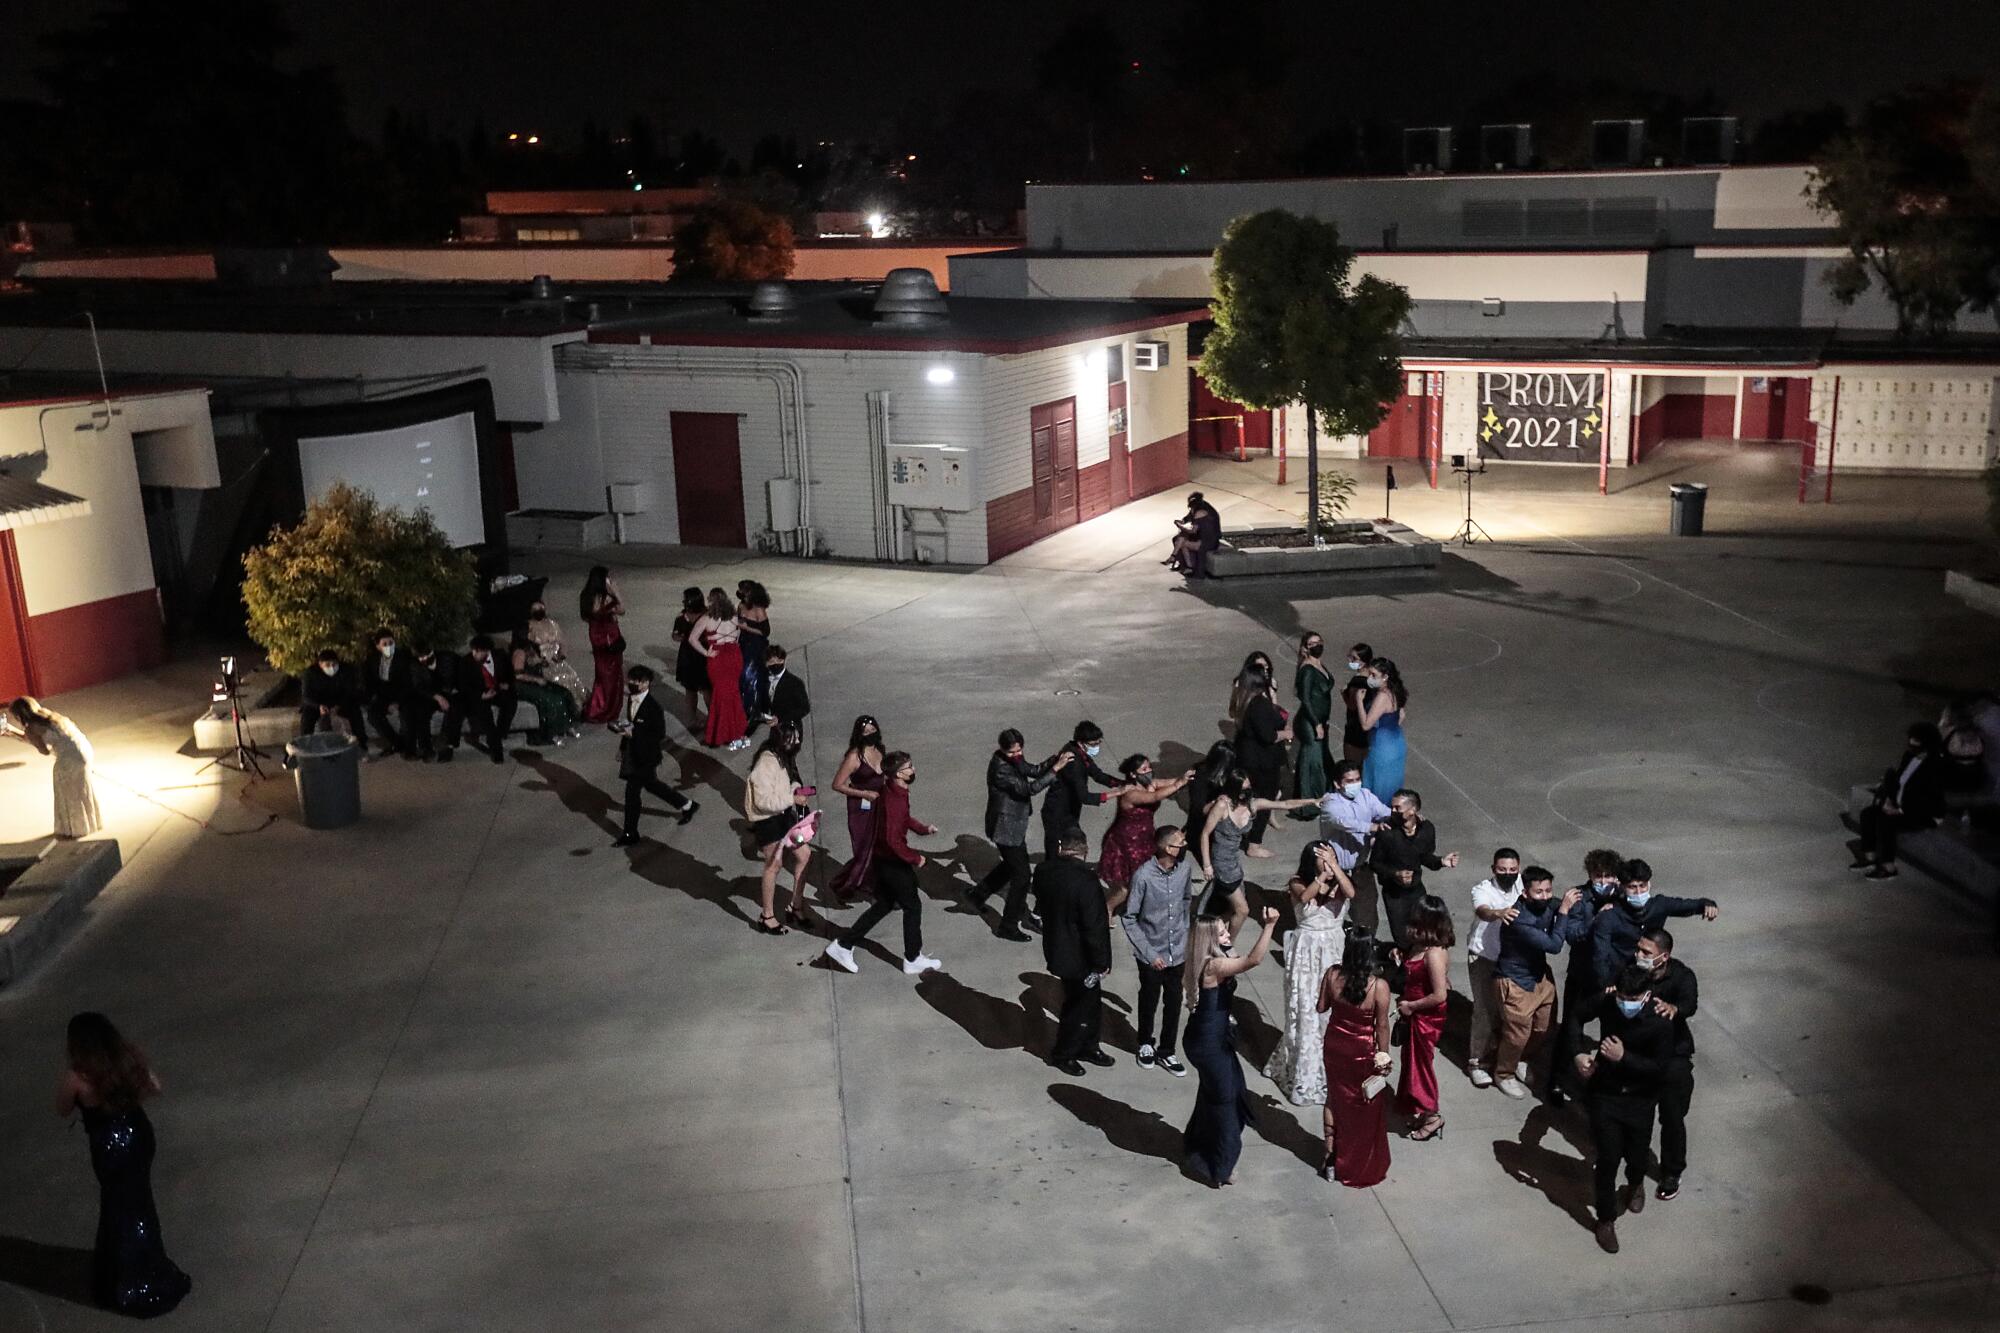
[[732, 240], [349, 568], [1292, 327]]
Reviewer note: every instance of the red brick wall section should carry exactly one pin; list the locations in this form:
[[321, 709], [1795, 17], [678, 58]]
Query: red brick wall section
[[1010, 523], [1161, 464], [98, 641], [1093, 490]]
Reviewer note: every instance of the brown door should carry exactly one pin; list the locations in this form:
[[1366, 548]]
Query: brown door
[[1401, 434], [1052, 447], [708, 478], [16, 672]]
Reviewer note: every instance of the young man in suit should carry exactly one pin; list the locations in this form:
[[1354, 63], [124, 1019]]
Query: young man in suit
[[385, 683], [1076, 943], [1062, 808], [641, 749], [789, 701], [1909, 797], [1011, 784], [1624, 1078], [488, 695], [329, 689], [432, 689], [1676, 996]]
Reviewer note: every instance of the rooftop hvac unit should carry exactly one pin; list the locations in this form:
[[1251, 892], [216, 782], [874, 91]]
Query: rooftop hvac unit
[[1709, 141], [1149, 354], [1617, 143], [1505, 147], [1427, 149]]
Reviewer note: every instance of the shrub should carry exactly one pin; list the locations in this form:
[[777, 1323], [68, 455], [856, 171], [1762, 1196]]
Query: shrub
[[1336, 491], [349, 568]]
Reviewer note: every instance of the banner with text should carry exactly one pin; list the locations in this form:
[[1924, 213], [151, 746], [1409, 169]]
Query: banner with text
[[1540, 416]]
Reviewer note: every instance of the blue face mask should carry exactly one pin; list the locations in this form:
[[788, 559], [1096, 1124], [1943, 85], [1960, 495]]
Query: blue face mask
[[1630, 1008], [1351, 790], [1091, 750], [1638, 899]]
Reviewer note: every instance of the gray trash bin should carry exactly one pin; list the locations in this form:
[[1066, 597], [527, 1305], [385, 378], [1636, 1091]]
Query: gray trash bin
[[1688, 500], [326, 768]]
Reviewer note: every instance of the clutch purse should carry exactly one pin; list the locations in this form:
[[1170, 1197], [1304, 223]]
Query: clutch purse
[[1374, 1086], [804, 831]]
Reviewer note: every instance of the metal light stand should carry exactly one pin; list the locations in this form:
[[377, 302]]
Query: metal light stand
[[1469, 531], [246, 757]]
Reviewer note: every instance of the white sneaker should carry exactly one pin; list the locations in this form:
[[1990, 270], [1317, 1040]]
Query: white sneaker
[[921, 964], [1146, 1055], [842, 957], [1481, 1078], [1513, 1087]]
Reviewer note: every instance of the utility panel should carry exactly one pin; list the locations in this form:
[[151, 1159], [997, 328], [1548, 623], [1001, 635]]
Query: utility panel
[[929, 476]]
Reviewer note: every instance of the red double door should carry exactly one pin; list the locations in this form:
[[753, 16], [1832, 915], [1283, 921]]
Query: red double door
[[17, 674], [708, 478], [1052, 451]]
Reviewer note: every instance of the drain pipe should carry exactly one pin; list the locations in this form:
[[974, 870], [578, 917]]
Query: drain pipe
[[878, 466], [785, 376]]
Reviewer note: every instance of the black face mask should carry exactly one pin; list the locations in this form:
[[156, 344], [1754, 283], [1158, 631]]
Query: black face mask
[[1316, 651], [1507, 882]]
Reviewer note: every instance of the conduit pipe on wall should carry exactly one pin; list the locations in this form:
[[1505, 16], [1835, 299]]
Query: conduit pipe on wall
[[787, 377], [878, 466]]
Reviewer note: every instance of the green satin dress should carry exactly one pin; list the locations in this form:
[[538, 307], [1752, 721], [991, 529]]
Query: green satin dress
[[1315, 691]]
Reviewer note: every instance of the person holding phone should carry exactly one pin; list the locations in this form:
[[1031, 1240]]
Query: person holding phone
[[774, 801]]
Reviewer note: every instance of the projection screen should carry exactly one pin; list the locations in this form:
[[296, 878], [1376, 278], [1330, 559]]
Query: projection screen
[[433, 465]]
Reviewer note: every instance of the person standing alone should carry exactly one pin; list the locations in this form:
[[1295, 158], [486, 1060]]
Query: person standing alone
[[641, 748], [1076, 944], [1156, 926]]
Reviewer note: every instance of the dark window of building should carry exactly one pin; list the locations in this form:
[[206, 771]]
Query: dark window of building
[[1114, 364], [1635, 217], [1558, 217], [1491, 217]]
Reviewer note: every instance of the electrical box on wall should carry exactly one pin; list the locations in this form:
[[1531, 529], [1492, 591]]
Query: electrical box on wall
[[929, 476], [1149, 354]]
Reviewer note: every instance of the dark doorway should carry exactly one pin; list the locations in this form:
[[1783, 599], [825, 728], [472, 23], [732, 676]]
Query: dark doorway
[[708, 478], [1218, 426], [1052, 445]]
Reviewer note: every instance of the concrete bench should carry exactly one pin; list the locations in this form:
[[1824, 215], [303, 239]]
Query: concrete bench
[[272, 727], [37, 909], [1954, 852]]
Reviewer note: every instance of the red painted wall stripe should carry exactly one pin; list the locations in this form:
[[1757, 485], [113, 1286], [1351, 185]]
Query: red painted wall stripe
[[98, 641]]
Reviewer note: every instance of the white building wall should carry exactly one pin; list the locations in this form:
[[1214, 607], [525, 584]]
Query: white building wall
[[1017, 384], [103, 554], [1156, 401]]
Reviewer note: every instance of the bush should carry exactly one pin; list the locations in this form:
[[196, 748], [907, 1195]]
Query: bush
[[1336, 491], [349, 568]]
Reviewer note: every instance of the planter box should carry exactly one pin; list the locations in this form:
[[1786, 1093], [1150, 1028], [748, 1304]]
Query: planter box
[[39, 907], [1974, 591], [263, 724], [1395, 548], [560, 529]]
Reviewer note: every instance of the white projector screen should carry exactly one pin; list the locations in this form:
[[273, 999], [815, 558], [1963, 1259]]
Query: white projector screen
[[432, 466]]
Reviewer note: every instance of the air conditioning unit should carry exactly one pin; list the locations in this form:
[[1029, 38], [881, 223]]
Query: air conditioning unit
[[1149, 354]]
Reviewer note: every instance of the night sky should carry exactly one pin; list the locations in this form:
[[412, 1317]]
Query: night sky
[[822, 70]]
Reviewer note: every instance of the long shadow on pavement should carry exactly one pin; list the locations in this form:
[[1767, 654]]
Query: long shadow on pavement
[[1563, 1179], [62, 1271], [1124, 1127]]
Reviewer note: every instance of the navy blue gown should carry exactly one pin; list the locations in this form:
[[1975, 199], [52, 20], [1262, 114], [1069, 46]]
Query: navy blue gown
[[130, 1271], [1214, 1137]]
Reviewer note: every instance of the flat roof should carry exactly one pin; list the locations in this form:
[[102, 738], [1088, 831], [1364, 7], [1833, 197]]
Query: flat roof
[[1726, 349], [417, 309], [48, 388]]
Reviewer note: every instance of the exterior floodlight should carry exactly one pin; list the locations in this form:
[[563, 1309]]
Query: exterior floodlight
[[940, 374]]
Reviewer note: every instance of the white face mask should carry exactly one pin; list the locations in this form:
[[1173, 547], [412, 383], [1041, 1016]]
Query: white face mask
[[1353, 665], [388, 650], [1350, 790], [1091, 750], [330, 668]]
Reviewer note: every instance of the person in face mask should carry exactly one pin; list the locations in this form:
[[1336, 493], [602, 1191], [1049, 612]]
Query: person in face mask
[[1354, 698], [327, 690], [1676, 995], [1156, 926], [1582, 983], [1614, 935], [1062, 808], [1540, 926], [1493, 900], [1348, 814], [1624, 1078], [1313, 684], [385, 682]]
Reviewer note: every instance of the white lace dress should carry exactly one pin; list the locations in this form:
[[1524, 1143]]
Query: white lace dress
[[76, 802], [1298, 1066]]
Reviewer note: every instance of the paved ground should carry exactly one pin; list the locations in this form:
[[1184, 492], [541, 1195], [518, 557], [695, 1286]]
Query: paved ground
[[467, 1067]]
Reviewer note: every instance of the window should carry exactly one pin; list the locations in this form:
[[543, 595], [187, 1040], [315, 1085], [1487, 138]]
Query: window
[[1114, 364]]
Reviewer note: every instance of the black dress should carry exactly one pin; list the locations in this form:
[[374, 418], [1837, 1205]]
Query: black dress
[[690, 667], [1214, 1137], [1354, 736], [130, 1271]]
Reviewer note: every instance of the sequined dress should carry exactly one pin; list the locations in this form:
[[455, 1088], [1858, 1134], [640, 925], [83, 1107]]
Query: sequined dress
[[130, 1271]]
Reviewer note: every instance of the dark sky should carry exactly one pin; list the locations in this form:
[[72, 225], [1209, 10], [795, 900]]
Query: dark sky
[[826, 70]]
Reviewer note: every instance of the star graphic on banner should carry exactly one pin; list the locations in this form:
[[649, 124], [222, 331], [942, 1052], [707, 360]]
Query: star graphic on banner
[[1590, 424], [1491, 424]]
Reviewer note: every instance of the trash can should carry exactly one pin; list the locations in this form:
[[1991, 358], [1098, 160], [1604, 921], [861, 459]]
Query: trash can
[[326, 769], [1688, 500]]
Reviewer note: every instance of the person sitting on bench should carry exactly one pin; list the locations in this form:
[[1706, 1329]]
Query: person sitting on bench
[[1197, 533], [1909, 797]]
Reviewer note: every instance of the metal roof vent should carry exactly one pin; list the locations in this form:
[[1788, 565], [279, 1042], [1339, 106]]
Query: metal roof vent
[[542, 288], [771, 301], [910, 296]]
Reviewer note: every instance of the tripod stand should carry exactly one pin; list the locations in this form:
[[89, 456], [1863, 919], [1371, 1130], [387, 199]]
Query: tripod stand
[[1469, 531], [246, 757]]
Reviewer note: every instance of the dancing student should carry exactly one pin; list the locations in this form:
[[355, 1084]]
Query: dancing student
[[1349, 815], [51, 733], [600, 607], [1011, 784], [1313, 684], [1128, 843], [642, 748], [1383, 719], [1354, 698], [1405, 846], [1252, 679], [1062, 808], [1156, 926], [1213, 1139], [1525, 984], [1676, 996], [896, 866], [1624, 1079], [1210, 776], [1355, 999], [107, 1081], [774, 800], [859, 779], [716, 638], [690, 667], [1223, 834], [1493, 900], [1426, 992], [1582, 984], [1076, 945], [1261, 737], [1320, 892], [753, 626]]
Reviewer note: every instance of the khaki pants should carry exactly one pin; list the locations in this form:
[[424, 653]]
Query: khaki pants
[[1485, 1013], [1525, 1017]]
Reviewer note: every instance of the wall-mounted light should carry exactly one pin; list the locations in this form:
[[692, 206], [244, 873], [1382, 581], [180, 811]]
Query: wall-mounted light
[[878, 226], [940, 374]]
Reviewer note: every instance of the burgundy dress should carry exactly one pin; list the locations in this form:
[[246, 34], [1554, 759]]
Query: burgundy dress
[[1417, 1093], [1127, 844], [727, 721], [854, 877], [607, 654], [1360, 1125]]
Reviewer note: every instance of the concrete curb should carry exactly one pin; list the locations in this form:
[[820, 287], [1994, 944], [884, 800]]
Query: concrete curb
[[37, 909], [1405, 549]]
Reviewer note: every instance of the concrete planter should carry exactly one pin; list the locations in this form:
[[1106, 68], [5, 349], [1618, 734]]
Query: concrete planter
[[263, 724], [41, 905], [1248, 553], [1977, 593], [560, 529]]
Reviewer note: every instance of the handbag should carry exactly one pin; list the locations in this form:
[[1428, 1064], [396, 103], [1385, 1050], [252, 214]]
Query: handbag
[[1399, 1032], [803, 832], [618, 645]]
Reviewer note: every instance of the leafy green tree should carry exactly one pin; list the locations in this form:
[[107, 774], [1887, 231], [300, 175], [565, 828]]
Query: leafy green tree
[[348, 568], [733, 240], [1292, 326]]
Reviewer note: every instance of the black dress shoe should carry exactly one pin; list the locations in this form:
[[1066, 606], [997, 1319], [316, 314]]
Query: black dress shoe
[[1098, 1058], [626, 840], [1014, 933], [498, 755], [1070, 1067], [444, 755], [687, 813]]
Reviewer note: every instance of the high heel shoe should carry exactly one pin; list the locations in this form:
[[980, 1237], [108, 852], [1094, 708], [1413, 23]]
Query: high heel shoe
[[1435, 1131]]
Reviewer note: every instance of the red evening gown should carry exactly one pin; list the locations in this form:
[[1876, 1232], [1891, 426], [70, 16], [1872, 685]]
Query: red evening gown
[[1360, 1125], [726, 719], [1417, 1093], [1127, 844], [607, 655], [855, 877]]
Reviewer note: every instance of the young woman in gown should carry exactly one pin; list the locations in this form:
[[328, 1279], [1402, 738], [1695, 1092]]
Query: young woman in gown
[[859, 779], [546, 635], [690, 667], [1250, 682], [1426, 993], [1382, 770], [1231, 816], [715, 638], [600, 608], [534, 683], [51, 733], [1213, 1139], [1128, 842], [1354, 699], [1314, 686], [1355, 999], [753, 626], [1320, 893], [105, 1083]]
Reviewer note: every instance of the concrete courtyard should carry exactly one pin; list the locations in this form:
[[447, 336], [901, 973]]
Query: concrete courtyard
[[465, 1066]]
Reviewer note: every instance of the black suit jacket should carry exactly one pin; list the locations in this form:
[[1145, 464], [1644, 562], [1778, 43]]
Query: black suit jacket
[[789, 701], [1076, 925], [339, 690], [472, 685], [393, 689], [1063, 807], [440, 677], [1923, 795], [1649, 1045], [641, 752]]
